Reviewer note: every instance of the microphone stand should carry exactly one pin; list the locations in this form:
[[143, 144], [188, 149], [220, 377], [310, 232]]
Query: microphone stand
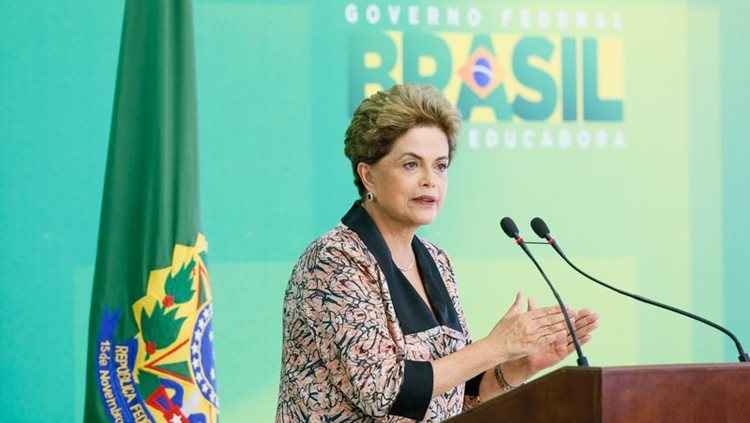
[[581, 360], [743, 357], [511, 230]]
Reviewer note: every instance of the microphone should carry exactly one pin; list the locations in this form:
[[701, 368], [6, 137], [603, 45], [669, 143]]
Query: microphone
[[510, 229], [541, 229]]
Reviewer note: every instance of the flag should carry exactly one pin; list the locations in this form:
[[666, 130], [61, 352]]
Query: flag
[[150, 347]]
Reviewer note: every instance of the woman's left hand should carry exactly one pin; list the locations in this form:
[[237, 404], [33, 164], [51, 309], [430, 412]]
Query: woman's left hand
[[585, 322]]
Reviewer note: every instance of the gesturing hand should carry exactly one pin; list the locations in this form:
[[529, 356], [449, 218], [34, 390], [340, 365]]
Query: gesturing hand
[[519, 334], [585, 323]]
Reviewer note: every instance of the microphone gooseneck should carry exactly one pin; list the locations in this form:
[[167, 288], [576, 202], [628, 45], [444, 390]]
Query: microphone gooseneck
[[510, 229], [541, 229]]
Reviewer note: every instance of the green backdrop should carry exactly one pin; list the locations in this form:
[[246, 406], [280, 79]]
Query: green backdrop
[[656, 204]]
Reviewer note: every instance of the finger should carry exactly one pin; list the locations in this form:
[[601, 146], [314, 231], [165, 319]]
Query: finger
[[539, 313], [587, 329], [587, 321], [584, 313], [583, 333], [515, 308], [553, 311], [519, 300], [531, 304], [551, 320]]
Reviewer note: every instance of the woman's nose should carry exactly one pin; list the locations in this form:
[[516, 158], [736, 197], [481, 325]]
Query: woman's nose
[[428, 179]]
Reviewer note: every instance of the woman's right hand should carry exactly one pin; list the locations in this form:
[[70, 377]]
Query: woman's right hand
[[520, 333]]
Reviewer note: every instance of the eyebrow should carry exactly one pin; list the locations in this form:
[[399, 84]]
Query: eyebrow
[[417, 156]]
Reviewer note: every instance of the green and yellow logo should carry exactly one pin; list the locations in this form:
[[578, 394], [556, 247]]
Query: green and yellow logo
[[545, 79], [497, 77], [165, 373]]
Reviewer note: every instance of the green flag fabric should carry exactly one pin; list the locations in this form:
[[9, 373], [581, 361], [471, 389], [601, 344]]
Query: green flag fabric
[[150, 353]]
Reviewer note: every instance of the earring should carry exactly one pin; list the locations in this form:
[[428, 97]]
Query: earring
[[369, 196]]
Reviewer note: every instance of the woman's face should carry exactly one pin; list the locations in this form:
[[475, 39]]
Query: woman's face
[[410, 183]]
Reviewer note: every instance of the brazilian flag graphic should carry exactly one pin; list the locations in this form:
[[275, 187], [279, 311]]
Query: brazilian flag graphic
[[150, 352]]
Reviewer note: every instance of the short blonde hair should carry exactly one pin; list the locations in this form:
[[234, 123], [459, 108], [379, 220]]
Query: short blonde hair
[[386, 115]]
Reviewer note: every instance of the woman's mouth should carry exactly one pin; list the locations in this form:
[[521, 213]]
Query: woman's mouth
[[426, 200]]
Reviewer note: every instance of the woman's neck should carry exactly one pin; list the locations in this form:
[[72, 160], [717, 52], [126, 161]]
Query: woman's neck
[[397, 236]]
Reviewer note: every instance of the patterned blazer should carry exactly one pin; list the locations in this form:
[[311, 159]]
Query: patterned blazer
[[358, 339]]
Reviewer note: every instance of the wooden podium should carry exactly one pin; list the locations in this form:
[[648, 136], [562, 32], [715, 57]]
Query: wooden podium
[[643, 394]]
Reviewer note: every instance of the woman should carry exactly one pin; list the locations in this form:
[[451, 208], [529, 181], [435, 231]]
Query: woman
[[373, 326]]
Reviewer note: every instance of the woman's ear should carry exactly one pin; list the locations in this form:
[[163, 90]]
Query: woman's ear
[[364, 171]]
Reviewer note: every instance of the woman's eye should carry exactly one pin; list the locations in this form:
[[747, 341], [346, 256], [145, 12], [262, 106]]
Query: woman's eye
[[442, 167], [410, 165]]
